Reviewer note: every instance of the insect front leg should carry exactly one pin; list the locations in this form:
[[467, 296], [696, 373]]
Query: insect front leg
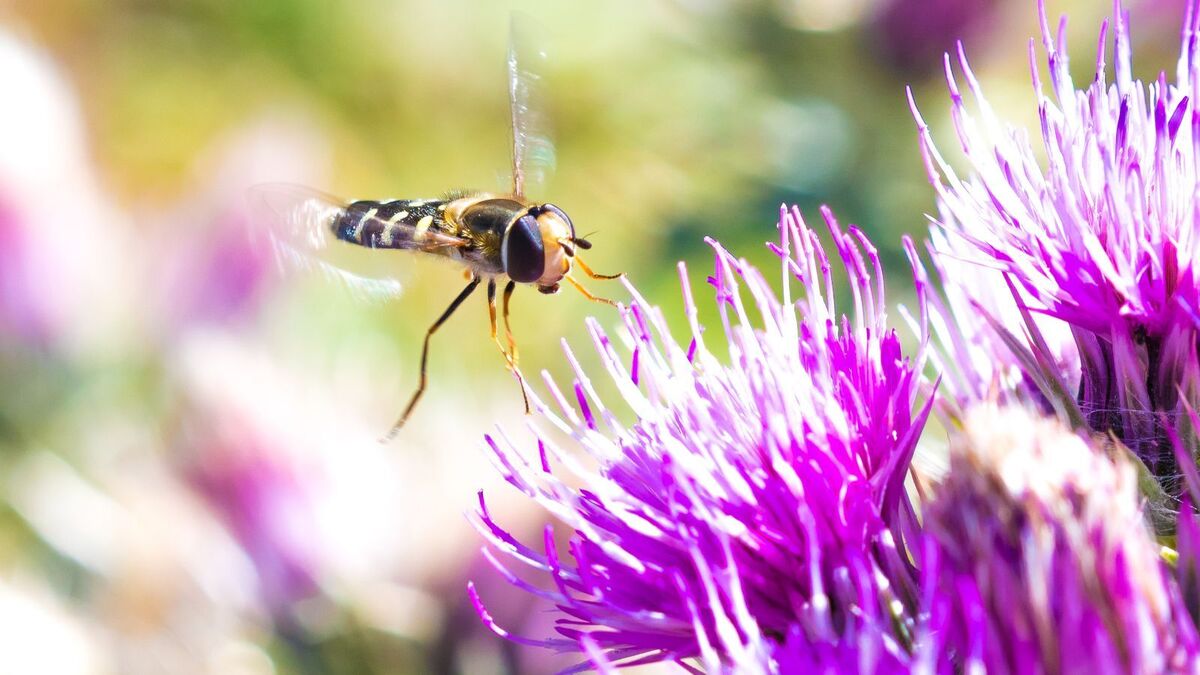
[[588, 294], [510, 356], [569, 246], [588, 271], [425, 356]]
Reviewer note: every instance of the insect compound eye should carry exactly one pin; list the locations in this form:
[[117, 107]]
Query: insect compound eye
[[562, 215], [522, 251]]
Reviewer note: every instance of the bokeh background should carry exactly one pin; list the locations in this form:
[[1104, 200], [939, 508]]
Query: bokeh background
[[189, 474]]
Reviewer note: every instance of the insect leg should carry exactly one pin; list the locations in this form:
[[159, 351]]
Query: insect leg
[[512, 345], [510, 356], [491, 292], [588, 294], [588, 271], [425, 356]]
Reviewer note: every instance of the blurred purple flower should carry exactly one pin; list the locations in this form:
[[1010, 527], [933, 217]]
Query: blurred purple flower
[[20, 312], [261, 491], [1039, 559], [755, 515], [1103, 238], [266, 506], [216, 274], [212, 266], [305, 495], [911, 34]]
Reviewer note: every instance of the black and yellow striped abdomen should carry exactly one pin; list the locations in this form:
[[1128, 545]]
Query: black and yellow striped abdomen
[[398, 223]]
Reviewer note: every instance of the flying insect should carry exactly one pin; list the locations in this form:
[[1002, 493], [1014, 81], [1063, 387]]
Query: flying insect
[[498, 237]]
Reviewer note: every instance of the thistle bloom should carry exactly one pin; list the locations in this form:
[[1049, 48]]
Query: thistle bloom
[[1038, 559], [1101, 237], [755, 514]]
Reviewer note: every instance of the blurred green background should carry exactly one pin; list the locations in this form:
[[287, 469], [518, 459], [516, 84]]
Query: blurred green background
[[189, 477]]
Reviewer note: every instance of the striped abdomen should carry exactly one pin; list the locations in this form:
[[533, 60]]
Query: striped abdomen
[[398, 223]]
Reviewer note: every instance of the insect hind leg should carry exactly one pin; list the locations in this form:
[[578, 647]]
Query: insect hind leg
[[425, 357]]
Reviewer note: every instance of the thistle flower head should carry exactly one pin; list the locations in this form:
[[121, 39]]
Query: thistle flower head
[[755, 513], [1101, 236], [1038, 558]]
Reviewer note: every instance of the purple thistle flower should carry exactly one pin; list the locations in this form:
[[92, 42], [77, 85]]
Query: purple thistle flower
[[755, 515], [1038, 559], [1101, 237]]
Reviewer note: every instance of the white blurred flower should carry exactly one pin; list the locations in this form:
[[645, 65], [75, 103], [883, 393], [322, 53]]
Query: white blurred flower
[[165, 584], [41, 636], [62, 275], [313, 499]]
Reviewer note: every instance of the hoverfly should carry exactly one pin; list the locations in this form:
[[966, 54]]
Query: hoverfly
[[495, 236]]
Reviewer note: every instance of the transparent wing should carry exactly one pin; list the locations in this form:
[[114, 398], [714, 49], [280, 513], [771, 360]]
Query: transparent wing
[[533, 150], [297, 223]]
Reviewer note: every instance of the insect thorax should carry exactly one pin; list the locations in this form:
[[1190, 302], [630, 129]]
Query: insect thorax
[[490, 217], [484, 219]]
